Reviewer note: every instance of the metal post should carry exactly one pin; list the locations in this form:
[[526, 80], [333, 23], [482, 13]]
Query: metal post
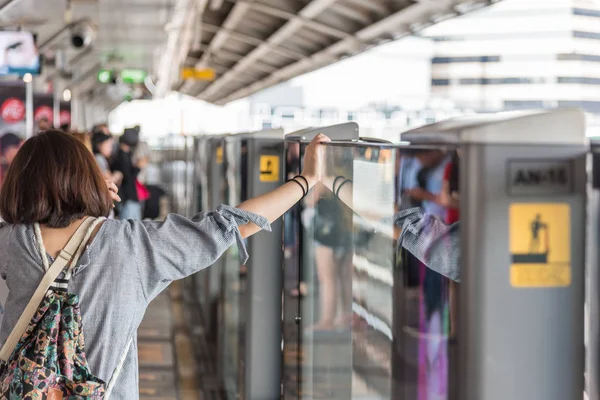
[[29, 128], [76, 112], [262, 364], [57, 96]]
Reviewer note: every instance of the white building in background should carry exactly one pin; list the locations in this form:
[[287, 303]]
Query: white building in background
[[179, 115], [521, 54], [386, 91], [384, 121]]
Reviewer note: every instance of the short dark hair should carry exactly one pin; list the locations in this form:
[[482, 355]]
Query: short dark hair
[[9, 140], [53, 180], [98, 138]]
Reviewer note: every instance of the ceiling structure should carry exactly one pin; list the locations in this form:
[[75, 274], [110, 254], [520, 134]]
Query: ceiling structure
[[251, 44], [255, 44], [126, 34]]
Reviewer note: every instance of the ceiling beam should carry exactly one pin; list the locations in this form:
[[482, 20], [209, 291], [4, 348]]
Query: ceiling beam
[[397, 23], [317, 26], [254, 41], [178, 44], [80, 79], [373, 5], [216, 4], [235, 57], [89, 51], [7, 4], [352, 13], [311, 10], [231, 20]]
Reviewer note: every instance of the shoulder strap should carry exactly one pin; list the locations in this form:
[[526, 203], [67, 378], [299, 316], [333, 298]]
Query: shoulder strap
[[63, 259]]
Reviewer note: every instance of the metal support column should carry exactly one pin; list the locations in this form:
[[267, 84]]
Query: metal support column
[[521, 295], [29, 122], [263, 302]]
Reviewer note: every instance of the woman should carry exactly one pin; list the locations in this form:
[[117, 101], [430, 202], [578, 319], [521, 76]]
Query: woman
[[102, 146], [55, 182], [9, 147]]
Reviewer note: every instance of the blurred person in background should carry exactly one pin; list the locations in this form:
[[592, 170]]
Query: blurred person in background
[[430, 180], [43, 124], [123, 163], [9, 146], [141, 158], [102, 147], [103, 128]]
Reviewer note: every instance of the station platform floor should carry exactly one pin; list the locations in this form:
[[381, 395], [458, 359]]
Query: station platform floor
[[168, 370]]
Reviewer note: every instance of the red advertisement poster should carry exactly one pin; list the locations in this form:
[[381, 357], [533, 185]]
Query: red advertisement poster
[[13, 111]]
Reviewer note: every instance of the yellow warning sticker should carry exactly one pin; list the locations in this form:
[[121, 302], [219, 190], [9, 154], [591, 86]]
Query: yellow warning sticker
[[219, 155], [540, 244], [269, 168]]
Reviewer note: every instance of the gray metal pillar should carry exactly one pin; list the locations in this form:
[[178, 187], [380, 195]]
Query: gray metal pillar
[[57, 97], [29, 122], [262, 379], [521, 295]]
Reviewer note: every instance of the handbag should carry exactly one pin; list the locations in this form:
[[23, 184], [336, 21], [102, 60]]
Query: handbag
[[143, 193]]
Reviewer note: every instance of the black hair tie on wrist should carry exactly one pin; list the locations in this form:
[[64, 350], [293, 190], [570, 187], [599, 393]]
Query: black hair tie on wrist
[[335, 182], [337, 192], [301, 187], [305, 180]]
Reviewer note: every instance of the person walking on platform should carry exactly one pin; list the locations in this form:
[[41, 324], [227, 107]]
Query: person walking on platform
[[9, 146], [123, 163], [102, 146], [95, 277]]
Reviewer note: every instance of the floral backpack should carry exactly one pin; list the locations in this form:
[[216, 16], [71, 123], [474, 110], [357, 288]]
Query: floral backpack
[[44, 358]]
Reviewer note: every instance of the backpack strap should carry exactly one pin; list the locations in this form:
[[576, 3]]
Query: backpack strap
[[78, 240]]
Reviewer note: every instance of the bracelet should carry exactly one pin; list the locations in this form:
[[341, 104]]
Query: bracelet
[[337, 193], [335, 182], [301, 186], [305, 180]]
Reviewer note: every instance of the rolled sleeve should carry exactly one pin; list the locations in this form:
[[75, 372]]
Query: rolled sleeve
[[431, 241], [178, 247]]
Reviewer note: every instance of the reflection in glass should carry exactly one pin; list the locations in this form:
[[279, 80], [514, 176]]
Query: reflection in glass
[[373, 321]]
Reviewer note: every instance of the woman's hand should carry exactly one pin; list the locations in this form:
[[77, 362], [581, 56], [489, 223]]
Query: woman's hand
[[314, 160], [113, 190]]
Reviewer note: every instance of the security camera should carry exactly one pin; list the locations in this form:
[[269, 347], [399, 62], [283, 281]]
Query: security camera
[[82, 35]]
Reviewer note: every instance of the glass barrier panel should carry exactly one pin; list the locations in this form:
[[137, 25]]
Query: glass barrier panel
[[425, 301], [364, 317]]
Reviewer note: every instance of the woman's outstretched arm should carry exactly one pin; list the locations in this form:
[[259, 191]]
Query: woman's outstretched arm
[[274, 204]]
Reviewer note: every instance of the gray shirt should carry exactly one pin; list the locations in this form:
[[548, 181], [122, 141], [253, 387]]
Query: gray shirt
[[102, 163], [126, 265]]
